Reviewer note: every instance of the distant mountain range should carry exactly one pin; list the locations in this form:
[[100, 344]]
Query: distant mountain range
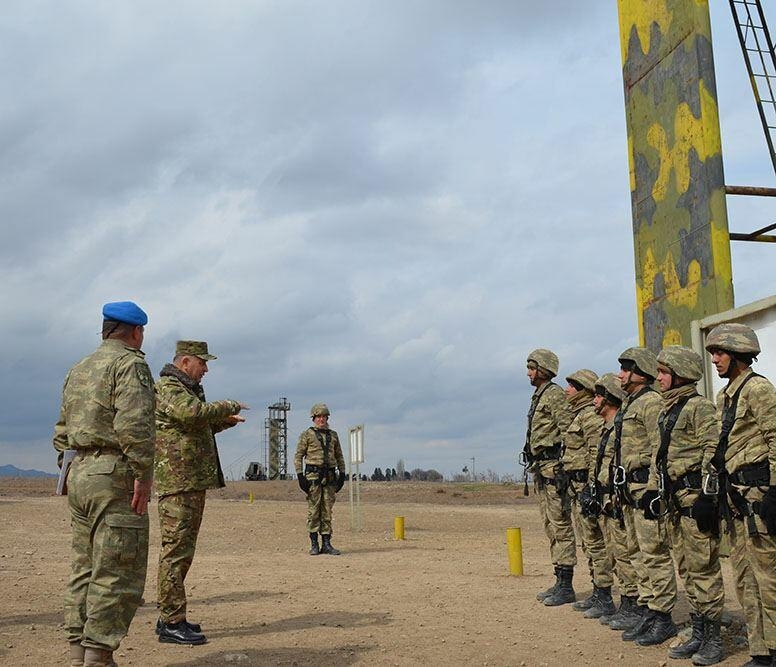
[[13, 471]]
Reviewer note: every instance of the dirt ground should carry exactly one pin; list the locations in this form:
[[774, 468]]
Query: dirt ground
[[442, 596]]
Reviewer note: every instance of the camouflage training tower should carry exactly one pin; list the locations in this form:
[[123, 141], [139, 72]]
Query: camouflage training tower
[[276, 440]]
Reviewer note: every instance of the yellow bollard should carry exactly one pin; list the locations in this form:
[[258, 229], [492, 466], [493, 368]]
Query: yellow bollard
[[398, 528], [515, 550], [250, 498]]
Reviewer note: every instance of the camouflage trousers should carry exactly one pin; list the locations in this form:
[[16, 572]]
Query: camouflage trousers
[[591, 537], [752, 558], [622, 553], [320, 502], [696, 555], [109, 551], [180, 516], [655, 568], [556, 520]]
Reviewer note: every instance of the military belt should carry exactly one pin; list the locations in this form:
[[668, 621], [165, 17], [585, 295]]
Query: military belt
[[638, 476], [756, 474], [548, 453], [577, 475], [317, 469], [690, 480], [547, 480], [684, 511]]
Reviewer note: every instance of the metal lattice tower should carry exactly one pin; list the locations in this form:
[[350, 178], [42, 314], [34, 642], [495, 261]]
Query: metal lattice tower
[[276, 439], [760, 60]]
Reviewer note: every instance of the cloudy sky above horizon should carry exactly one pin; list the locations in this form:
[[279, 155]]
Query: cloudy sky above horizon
[[383, 206]]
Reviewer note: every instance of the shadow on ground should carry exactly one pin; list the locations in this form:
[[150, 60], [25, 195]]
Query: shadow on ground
[[345, 655]]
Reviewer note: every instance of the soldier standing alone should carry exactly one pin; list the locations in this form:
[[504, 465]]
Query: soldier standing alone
[[318, 453], [186, 465], [107, 418]]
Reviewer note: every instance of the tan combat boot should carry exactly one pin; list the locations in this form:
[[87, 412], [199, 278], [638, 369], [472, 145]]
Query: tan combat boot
[[76, 654], [97, 657]]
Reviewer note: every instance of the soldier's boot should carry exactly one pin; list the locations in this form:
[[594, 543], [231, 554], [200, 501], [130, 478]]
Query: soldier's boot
[[327, 548], [686, 649], [314, 548], [662, 628], [604, 605], [564, 593], [608, 618], [97, 657], [195, 627], [180, 633], [710, 651], [642, 626], [757, 660], [589, 601], [630, 618], [76, 654], [543, 595]]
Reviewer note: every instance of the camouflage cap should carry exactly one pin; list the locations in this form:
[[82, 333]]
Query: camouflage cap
[[319, 409], [644, 359], [546, 360], [193, 348], [683, 361], [733, 337], [585, 377], [610, 384]]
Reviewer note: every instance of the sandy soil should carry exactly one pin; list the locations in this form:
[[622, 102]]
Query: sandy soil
[[441, 596]]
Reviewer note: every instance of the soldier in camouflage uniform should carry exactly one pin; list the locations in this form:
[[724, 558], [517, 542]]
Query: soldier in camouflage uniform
[[186, 464], [581, 445], [548, 418], [318, 457], [746, 457], [107, 418], [599, 501], [636, 441], [689, 436]]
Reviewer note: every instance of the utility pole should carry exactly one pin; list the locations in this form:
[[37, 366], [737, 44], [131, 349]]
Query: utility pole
[[474, 475]]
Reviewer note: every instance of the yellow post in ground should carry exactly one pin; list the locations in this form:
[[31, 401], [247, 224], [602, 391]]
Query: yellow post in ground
[[250, 498], [515, 550], [398, 528]]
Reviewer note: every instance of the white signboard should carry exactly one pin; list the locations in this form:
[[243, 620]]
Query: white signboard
[[357, 444]]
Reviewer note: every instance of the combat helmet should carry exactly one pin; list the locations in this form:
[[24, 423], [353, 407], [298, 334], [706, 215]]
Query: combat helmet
[[609, 386], [584, 377], [645, 360], [682, 361], [546, 360], [319, 409], [733, 337]]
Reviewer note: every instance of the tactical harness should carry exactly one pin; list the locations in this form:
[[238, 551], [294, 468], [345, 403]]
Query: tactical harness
[[665, 485], [621, 479]]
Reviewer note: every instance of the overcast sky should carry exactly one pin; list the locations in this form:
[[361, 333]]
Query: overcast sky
[[380, 205]]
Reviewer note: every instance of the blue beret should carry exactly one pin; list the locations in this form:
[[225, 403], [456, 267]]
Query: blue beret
[[125, 311]]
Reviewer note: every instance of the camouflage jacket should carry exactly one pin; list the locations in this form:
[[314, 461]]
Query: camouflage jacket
[[551, 417], [186, 453], [640, 436], [108, 403], [582, 437], [753, 436], [310, 451]]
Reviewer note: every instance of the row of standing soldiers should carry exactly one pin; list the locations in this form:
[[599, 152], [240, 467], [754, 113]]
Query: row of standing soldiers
[[646, 471]]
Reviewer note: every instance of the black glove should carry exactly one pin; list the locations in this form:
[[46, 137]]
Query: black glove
[[705, 511], [341, 476], [648, 504], [768, 510], [303, 483], [589, 505]]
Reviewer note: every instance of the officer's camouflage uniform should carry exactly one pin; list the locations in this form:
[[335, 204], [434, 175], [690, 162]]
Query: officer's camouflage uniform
[[752, 444], [318, 453], [580, 446], [551, 417], [185, 465], [107, 416]]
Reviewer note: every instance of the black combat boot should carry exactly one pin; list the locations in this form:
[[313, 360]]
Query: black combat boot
[[314, 548], [757, 660], [326, 547], [686, 649], [662, 628], [180, 633], [630, 618], [604, 605], [195, 627], [624, 606], [564, 593], [589, 601], [543, 595], [641, 628], [710, 651]]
